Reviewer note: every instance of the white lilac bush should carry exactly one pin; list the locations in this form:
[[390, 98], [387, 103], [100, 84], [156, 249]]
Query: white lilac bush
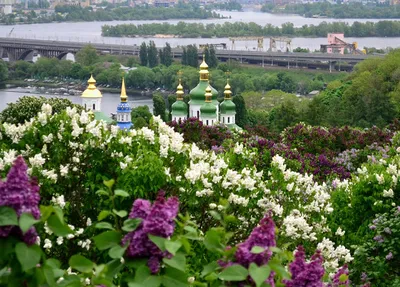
[[71, 154]]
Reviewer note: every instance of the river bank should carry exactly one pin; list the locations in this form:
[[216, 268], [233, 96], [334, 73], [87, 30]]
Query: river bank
[[72, 88], [91, 32], [109, 105]]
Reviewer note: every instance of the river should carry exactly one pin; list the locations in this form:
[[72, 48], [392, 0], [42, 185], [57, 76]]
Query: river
[[91, 31], [108, 105]]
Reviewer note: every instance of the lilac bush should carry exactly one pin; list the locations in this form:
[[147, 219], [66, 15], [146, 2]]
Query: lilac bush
[[157, 220], [306, 274], [22, 194]]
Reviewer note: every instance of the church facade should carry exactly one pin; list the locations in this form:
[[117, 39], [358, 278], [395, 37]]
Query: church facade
[[204, 103]]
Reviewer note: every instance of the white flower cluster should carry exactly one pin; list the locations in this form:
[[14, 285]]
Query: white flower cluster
[[295, 226], [58, 200], [333, 256]]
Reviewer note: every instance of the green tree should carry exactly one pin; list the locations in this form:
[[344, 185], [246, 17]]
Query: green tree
[[167, 54], [184, 57], [283, 116], [213, 60], [3, 71], [159, 105], [152, 54], [241, 111], [22, 69], [192, 56], [143, 54], [142, 112], [87, 56]]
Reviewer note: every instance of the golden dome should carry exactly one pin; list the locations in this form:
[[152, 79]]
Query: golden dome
[[91, 91], [203, 65], [204, 69], [227, 91], [179, 91], [208, 95], [124, 97]]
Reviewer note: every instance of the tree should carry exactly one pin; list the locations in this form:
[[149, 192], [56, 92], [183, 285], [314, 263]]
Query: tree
[[22, 69], [3, 71], [184, 57], [192, 56], [206, 54], [87, 56], [213, 60], [283, 116], [143, 54], [167, 55], [241, 111], [142, 112], [152, 54], [161, 56], [158, 105]]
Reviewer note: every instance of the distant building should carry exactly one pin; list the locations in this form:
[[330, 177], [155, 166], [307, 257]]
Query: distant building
[[335, 39], [6, 6]]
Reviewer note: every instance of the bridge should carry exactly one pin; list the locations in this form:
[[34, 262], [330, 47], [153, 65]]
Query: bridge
[[24, 49]]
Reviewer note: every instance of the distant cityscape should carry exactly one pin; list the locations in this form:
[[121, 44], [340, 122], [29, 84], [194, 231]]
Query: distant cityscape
[[7, 6]]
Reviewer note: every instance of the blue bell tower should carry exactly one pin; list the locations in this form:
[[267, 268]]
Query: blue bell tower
[[124, 110]]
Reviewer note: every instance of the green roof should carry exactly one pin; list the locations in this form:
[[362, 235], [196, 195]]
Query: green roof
[[233, 127], [102, 116], [228, 107], [197, 94], [179, 108], [208, 110]]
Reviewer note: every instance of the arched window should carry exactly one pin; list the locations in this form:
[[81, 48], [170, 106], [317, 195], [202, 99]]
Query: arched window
[[94, 107], [198, 114], [223, 120], [229, 119], [207, 122]]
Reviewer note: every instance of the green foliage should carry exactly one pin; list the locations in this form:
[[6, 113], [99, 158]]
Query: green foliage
[[159, 105], [27, 107], [87, 56], [370, 97], [190, 57], [166, 55], [152, 54], [350, 10], [142, 112], [143, 54], [283, 116], [193, 30], [108, 12], [3, 71], [378, 256], [241, 111]]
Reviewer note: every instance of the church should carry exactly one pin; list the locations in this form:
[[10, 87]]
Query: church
[[203, 103]]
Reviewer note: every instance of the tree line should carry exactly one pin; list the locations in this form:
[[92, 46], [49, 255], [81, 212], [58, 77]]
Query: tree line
[[87, 14], [195, 30], [339, 11]]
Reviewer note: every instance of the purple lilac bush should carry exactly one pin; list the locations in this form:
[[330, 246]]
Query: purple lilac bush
[[306, 274], [22, 194], [303, 274], [157, 220]]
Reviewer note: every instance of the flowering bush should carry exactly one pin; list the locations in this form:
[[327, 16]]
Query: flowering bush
[[89, 173], [377, 259], [27, 107], [150, 238]]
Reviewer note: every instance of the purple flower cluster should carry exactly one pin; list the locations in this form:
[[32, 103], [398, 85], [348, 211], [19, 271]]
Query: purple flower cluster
[[261, 236], [22, 194], [158, 220], [337, 282], [306, 274], [204, 136]]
